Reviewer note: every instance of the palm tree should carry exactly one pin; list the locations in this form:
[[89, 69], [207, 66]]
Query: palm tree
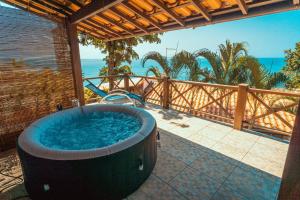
[[225, 65], [172, 68]]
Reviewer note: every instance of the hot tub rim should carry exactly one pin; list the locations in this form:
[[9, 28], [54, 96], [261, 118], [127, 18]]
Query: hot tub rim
[[29, 144]]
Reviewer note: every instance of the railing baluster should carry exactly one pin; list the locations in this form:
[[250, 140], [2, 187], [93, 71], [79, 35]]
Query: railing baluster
[[166, 87], [240, 106]]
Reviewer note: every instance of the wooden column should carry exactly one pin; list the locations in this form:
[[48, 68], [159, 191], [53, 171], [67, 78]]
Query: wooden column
[[240, 106], [290, 184], [126, 82], [166, 92], [75, 59]]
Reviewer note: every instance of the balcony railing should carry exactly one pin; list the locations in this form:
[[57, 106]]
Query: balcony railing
[[271, 111]]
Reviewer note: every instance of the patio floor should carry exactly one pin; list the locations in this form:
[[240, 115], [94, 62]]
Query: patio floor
[[199, 159]]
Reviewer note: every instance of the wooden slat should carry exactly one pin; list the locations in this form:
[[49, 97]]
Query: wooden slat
[[142, 15], [290, 184], [201, 9], [120, 25], [242, 5], [92, 9], [170, 12], [130, 20], [272, 110]]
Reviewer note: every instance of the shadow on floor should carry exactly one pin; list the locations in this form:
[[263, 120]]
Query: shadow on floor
[[187, 170]]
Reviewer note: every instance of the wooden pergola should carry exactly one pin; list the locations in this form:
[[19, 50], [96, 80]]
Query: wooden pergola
[[119, 19]]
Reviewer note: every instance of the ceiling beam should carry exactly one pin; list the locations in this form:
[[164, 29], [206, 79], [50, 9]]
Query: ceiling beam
[[141, 14], [201, 9], [102, 27], [169, 11], [130, 20], [115, 23], [91, 9], [296, 2], [242, 5]]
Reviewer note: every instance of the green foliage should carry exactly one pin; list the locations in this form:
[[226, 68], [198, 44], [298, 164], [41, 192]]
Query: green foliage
[[232, 65], [125, 69], [182, 60], [118, 51], [292, 67]]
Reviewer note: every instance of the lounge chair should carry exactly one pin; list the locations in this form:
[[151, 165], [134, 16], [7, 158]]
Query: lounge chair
[[115, 95]]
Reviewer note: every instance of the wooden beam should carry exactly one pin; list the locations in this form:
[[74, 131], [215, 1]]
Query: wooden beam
[[290, 184], [100, 27], [242, 5], [296, 2], [142, 15], [120, 25], [169, 11], [92, 9], [201, 9], [240, 106], [75, 58], [127, 18]]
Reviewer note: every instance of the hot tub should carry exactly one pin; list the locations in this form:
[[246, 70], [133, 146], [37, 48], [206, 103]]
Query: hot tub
[[109, 166]]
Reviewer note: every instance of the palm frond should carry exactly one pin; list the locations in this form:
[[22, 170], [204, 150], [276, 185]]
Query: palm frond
[[157, 57], [215, 62], [153, 70]]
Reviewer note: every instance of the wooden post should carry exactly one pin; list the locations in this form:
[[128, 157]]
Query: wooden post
[[126, 82], [290, 184], [166, 92], [240, 106], [75, 59]]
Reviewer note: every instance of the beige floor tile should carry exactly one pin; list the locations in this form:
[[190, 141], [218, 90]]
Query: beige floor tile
[[268, 152], [201, 140], [280, 145], [213, 133], [167, 166], [241, 135], [230, 151], [213, 166], [235, 141]]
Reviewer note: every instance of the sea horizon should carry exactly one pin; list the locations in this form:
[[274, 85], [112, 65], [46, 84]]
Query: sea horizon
[[91, 67]]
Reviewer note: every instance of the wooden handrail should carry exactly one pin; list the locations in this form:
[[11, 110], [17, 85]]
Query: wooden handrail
[[238, 110], [290, 94]]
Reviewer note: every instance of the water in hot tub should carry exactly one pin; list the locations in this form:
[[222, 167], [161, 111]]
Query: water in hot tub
[[95, 130]]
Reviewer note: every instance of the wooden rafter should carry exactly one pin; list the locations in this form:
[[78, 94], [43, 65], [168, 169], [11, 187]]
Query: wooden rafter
[[170, 12], [130, 20], [242, 5], [115, 23], [102, 28], [201, 9], [142, 15], [92, 9]]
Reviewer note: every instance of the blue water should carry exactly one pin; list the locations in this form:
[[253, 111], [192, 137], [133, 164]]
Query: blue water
[[91, 67], [95, 130]]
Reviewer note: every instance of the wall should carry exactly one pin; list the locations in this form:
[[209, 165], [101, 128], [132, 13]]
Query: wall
[[35, 71]]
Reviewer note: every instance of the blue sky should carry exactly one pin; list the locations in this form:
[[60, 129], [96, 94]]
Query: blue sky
[[267, 36]]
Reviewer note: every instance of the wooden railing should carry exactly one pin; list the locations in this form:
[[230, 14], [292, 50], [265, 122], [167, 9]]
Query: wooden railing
[[269, 111]]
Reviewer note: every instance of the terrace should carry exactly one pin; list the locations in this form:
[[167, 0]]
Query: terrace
[[216, 141], [201, 159]]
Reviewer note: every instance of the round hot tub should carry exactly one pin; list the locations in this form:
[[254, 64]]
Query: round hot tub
[[90, 152]]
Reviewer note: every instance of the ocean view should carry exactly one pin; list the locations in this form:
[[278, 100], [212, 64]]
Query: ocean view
[[91, 67]]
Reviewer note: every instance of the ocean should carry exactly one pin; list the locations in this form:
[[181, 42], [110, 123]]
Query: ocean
[[91, 67]]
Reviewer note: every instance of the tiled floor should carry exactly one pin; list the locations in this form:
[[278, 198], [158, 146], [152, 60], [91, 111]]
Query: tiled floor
[[199, 159]]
